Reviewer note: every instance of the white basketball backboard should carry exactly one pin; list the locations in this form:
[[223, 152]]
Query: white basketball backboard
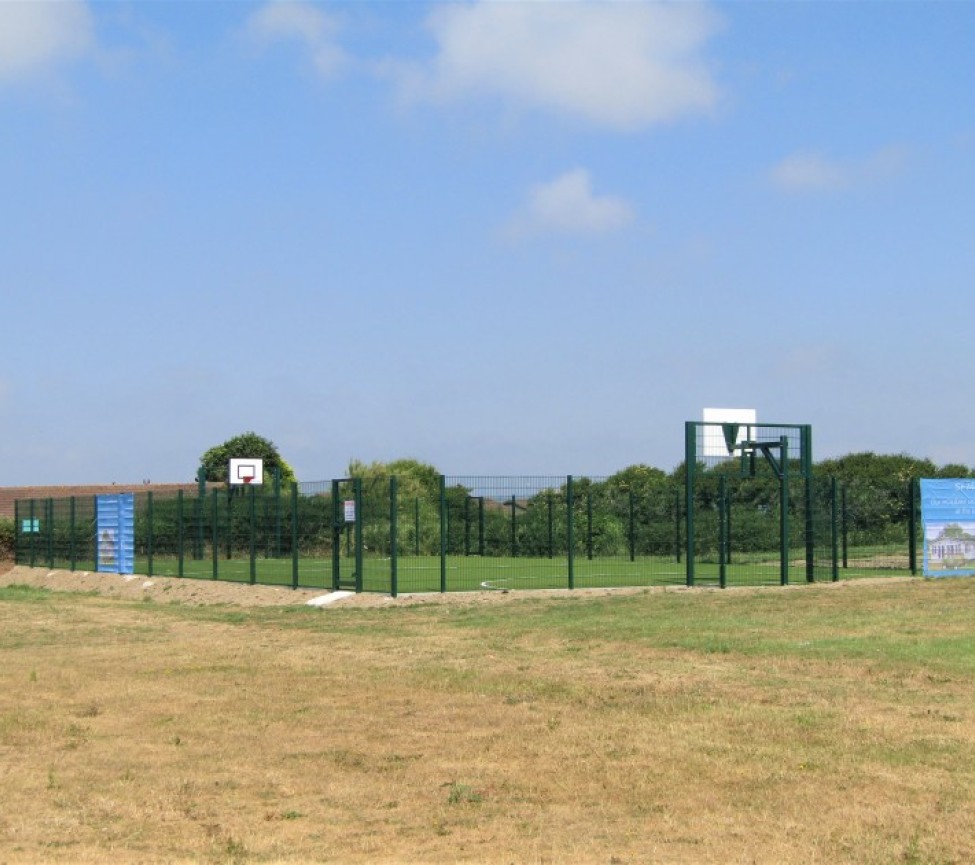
[[714, 444], [246, 471]]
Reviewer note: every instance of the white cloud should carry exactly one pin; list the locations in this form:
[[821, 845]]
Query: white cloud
[[36, 36], [887, 162], [292, 20], [802, 172], [567, 205], [813, 172], [621, 65]]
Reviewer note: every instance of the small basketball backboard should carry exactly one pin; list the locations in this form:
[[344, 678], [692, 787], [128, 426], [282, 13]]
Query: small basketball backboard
[[246, 471], [731, 428]]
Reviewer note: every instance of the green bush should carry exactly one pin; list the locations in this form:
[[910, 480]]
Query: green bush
[[6, 538]]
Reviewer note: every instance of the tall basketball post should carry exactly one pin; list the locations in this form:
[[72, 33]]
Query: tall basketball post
[[690, 465], [780, 450], [783, 509]]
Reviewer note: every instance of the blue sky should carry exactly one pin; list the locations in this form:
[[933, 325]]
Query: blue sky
[[501, 238]]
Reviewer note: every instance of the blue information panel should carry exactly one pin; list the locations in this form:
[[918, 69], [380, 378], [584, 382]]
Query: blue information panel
[[948, 516], [115, 533]]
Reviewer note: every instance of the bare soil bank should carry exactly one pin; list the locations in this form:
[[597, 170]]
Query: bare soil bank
[[201, 592]]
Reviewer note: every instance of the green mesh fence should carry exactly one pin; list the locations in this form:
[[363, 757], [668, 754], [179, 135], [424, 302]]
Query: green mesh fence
[[392, 535], [878, 529]]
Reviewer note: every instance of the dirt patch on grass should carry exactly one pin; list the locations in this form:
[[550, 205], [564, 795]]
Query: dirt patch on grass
[[161, 589]]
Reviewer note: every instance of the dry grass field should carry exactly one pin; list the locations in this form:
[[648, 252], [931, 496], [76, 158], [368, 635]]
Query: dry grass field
[[813, 724]]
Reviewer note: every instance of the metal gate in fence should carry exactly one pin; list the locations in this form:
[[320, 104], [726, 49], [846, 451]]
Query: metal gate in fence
[[347, 534]]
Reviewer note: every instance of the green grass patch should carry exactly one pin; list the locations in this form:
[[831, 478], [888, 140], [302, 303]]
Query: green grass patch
[[824, 722], [24, 594], [504, 573]]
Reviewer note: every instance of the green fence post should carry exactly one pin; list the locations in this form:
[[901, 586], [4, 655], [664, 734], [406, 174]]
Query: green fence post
[[49, 530], [201, 494], [443, 534], [72, 522], [844, 527], [277, 512], [198, 530], [336, 536], [294, 535], [179, 533], [722, 530], [253, 534], [34, 522], [230, 520], [570, 529], [18, 532], [149, 533], [393, 509], [357, 487], [912, 525], [784, 511], [834, 531], [467, 525], [215, 531], [514, 530], [690, 463], [805, 433], [727, 527]]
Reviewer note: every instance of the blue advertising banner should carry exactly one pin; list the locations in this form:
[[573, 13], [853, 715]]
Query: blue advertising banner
[[115, 530], [948, 517]]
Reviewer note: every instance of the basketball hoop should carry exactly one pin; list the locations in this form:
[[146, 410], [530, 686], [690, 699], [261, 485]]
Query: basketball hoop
[[246, 472]]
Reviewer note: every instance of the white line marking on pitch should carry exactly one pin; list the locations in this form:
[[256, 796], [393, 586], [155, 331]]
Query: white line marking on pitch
[[330, 598]]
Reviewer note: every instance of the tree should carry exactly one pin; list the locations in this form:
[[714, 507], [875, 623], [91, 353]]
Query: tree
[[216, 461], [889, 470], [639, 479], [418, 494], [954, 470], [415, 479]]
